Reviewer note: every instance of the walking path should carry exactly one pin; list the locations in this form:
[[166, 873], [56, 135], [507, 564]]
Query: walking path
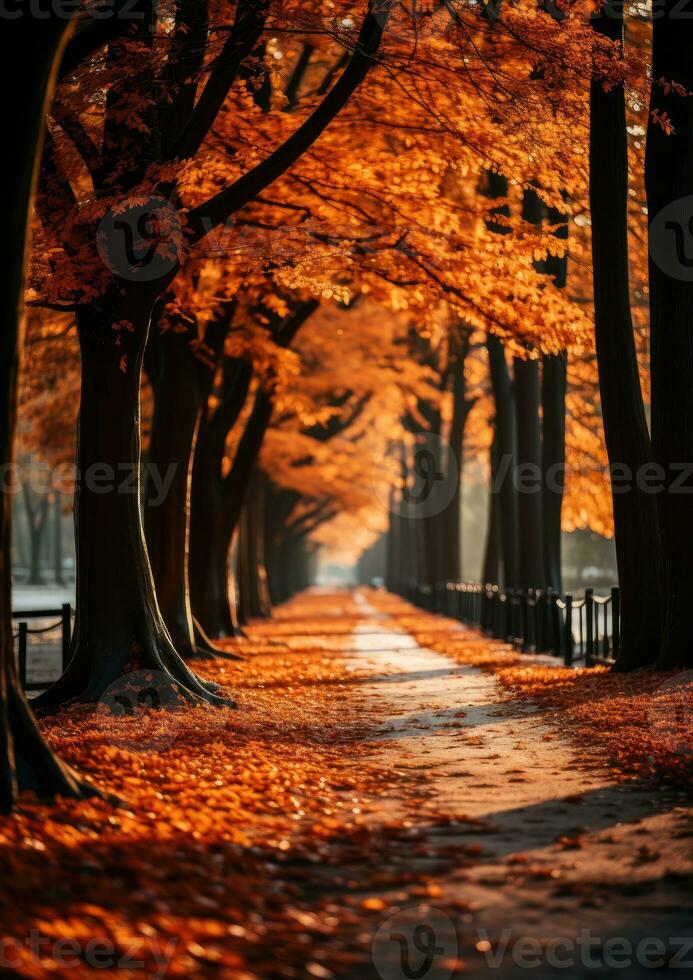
[[373, 808], [563, 849]]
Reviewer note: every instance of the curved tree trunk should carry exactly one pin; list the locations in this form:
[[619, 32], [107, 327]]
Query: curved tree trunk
[[175, 422], [118, 628], [669, 185], [26, 761], [625, 425]]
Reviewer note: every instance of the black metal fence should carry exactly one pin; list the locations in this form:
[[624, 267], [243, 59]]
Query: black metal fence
[[578, 630], [24, 632]]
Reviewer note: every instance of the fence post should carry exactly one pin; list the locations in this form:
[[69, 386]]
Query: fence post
[[508, 617], [21, 649], [524, 621], [589, 625], [615, 621], [548, 638], [568, 635], [67, 632]]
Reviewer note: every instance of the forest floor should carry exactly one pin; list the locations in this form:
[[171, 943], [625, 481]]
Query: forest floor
[[395, 796]]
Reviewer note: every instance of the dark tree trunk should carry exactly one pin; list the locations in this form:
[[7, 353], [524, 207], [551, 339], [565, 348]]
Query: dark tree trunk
[[530, 558], [176, 419], [554, 384], [504, 483], [209, 567], [553, 392], [450, 521], [118, 628], [28, 49], [669, 185], [491, 573], [58, 539], [625, 425], [254, 602], [36, 515]]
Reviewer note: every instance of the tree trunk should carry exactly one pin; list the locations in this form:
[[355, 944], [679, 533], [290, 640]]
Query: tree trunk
[[58, 539], [625, 425], [553, 392], [451, 542], [669, 185], [254, 600], [29, 50], [209, 570], [182, 383], [119, 629], [491, 573], [504, 481], [36, 515], [175, 422], [530, 569]]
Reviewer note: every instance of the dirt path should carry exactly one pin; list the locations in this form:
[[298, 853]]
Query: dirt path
[[571, 871]]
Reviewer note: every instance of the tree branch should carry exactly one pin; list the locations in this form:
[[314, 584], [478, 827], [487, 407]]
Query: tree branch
[[251, 16], [203, 219]]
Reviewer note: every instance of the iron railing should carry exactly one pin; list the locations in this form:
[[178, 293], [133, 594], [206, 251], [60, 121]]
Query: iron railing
[[23, 632], [581, 630]]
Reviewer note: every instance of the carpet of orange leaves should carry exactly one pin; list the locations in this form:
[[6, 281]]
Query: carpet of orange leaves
[[243, 846]]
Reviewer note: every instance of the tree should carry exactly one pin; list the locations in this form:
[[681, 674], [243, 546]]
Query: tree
[[669, 186], [26, 761], [625, 425]]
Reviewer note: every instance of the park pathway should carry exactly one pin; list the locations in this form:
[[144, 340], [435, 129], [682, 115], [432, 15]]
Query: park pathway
[[542, 861], [372, 809]]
